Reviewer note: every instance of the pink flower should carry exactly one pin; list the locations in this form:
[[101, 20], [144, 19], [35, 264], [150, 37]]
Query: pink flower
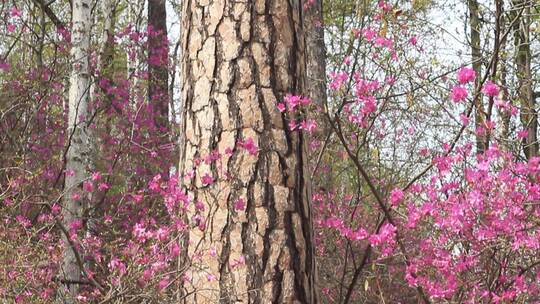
[[413, 40], [175, 250], [308, 125], [15, 12], [199, 206], [56, 209], [458, 94], [207, 179], [238, 262], [490, 89], [370, 34], [281, 107], [523, 133], [163, 283], [154, 184], [337, 80], [293, 101], [389, 80], [293, 125], [96, 176], [11, 27], [103, 186], [249, 145], [385, 6], [88, 186], [4, 66], [466, 75], [464, 119], [396, 197], [75, 225], [116, 264], [240, 205], [76, 196]]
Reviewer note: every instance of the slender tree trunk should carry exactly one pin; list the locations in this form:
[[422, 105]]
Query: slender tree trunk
[[476, 54], [134, 11], [78, 154], [315, 53], [239, 61], [504, 114], [106, 47], [158, 86], [529, 118]]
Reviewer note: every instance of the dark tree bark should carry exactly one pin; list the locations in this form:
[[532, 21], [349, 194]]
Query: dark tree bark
[[158, 73]]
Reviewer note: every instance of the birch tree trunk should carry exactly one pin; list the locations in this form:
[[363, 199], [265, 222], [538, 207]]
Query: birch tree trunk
[[239, 60], [79, 149]]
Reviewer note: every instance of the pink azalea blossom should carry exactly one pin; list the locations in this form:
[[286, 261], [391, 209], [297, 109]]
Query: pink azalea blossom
[[207, 179], [15, 12], [281, 107], [240, 205], [490, 89], [459, 94], [523, 133], [249, 145], [466, 75], [396, 197]]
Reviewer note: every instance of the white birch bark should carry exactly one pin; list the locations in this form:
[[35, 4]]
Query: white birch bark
[[79, 148]]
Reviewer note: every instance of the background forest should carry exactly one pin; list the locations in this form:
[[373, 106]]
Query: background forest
[[269, 151]]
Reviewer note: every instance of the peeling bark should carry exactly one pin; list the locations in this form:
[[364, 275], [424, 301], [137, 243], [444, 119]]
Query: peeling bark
[[75, 200], [239, 60]]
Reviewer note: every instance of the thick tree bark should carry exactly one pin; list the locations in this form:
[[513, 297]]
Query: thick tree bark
[[239, 61], [529, 116], [78, 154]]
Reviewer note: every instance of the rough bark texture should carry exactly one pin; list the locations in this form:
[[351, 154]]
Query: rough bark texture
[[529, 118], [78, 153], [476, 54], [239, 60]]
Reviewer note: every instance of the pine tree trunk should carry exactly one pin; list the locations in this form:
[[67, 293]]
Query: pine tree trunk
[[78, 154], [239, 61]]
